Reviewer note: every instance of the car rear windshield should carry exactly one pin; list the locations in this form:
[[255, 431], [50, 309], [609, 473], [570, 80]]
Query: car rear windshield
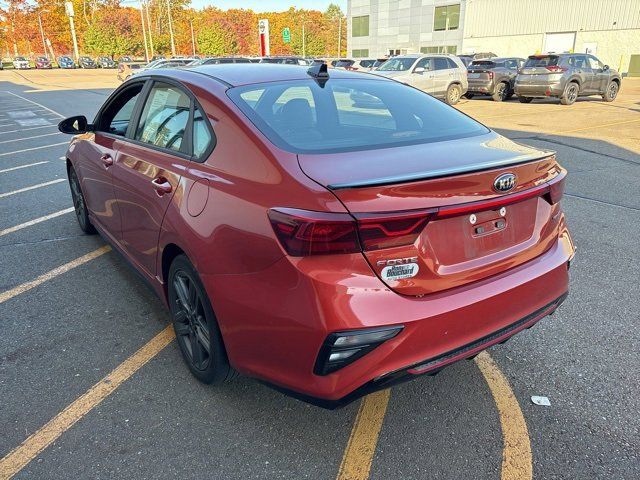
[[348, 115], [344, 63], [483, 64], [542, 61]]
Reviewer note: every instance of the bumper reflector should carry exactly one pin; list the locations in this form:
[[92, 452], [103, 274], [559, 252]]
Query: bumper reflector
[[341, 349]]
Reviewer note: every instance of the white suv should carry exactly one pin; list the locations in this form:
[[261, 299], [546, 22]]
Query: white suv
[[443, 76]]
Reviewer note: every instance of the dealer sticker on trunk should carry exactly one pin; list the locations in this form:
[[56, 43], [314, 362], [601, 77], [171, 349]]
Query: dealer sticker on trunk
[[399, 272]]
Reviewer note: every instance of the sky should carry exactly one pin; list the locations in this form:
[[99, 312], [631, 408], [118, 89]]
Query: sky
[[269, 5]]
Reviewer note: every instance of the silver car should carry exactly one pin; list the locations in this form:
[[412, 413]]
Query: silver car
[[566, 76], [443, 76]]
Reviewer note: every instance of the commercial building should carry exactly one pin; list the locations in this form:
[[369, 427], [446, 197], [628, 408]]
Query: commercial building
[[609, 29]]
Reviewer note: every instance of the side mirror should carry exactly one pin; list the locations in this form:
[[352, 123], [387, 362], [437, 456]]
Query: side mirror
[[75, 125], [605, 68], [419, 70]]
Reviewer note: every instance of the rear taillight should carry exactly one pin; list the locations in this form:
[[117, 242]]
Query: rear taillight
[[380, 230], [556, 68], [556, 189], [303, 232], [490, 75]]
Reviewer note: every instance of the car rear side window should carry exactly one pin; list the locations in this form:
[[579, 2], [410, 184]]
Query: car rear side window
[[203, 141], [441, 63], [164, 118], [348, 115]]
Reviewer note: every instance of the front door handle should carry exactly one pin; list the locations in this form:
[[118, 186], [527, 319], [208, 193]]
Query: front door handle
[[161, 185], [107, 160]]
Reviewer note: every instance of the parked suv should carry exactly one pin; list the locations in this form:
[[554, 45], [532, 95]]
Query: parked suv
[[567, 77], [105, 62], [494, 77], [443, 76], [86, 62]]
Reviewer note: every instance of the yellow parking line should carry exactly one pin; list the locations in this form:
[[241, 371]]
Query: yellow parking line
[[361, 447], [516, 454], [25, 287], [35, 221], [17, 459]]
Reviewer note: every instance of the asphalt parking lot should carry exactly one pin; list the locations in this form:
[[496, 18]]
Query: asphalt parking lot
[[92, 385]]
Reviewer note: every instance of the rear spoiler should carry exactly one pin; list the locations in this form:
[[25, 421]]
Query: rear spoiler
[[433, 174]]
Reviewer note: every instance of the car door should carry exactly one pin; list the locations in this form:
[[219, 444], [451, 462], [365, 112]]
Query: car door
[[583, 70], [96, 169], [423, 79], [442, 75], [149, 168], [600, 75], [511, 67]]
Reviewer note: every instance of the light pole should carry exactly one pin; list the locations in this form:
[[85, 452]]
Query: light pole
[[146, 6], [340, 36], [68, 6], [144, 34], [44, 43], [193, 38], [173, 44]]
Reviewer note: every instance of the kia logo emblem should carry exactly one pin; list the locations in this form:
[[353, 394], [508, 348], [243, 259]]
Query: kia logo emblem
[[504, 182]]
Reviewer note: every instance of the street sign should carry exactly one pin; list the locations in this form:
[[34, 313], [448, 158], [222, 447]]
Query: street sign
[[286, 35], [263, 31]]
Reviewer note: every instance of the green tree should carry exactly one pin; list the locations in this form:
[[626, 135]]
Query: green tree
[[216, 40]]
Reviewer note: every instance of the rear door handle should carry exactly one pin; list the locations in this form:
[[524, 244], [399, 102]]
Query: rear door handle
[[107, 160], [161, 185]]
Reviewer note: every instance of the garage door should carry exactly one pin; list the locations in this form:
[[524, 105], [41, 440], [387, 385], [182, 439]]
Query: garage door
[[559, 42]]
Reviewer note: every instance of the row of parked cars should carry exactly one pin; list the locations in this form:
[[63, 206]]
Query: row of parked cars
[[64, 61], [566, 76]]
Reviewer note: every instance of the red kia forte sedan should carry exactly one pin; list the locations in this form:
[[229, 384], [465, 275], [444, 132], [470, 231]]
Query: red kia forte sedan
[[328, 234]]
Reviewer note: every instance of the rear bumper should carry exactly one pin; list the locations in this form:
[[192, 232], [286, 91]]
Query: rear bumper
[[430, 366], [545, 89], [480, 87]]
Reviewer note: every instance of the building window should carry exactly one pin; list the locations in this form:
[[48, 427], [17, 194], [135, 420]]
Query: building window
[[360, 53], [453, 49], [446, 18], [360, 26]]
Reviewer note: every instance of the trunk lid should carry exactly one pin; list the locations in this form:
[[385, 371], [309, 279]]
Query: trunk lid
[[445, 191]]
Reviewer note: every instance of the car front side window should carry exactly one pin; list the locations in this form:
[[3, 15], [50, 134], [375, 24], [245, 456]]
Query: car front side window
[[116, 117]]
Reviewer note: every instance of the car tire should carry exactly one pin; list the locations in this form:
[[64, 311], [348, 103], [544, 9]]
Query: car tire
[[612, 92], [525, 99], [195, 324], [79, 204], [570, 94], [501, 92], [453, 94]]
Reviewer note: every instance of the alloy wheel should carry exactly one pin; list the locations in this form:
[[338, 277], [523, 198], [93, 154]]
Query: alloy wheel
[[454, 96], [572, 93], [190, 321], [613, 90]]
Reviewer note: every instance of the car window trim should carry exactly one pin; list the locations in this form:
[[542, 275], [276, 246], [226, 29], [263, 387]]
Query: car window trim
[[97, 119]]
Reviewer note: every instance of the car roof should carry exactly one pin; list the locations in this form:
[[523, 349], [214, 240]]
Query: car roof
[[236, 74]]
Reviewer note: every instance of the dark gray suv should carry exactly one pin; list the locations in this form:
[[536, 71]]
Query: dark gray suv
[[566, 76], [494, 76]]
